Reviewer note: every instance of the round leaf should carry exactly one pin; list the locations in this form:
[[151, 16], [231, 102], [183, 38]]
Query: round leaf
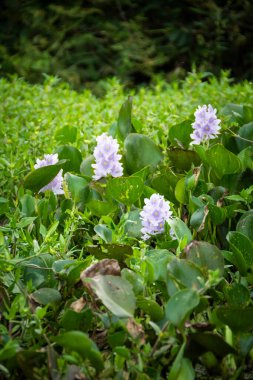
[[126, 190], [140, 151]]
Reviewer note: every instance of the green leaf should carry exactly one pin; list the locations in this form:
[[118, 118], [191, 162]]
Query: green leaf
[[164, 183], [101, 208], [205, 255], [72, 156], [9, 350], [186, 370], [77, 320], [246, 157], [116, 294], [135, 279], [124, 125], [237, 295], [233, 110], [112, 251], [183, 160], [66, 134], [198, 218], [181, 230], [245, 224], [187, 273], [126, 190], [28, 205], [181, 193], [242, 248], [180, 306], [210, 342], [103, 232], [86, 168], [151, 308], [38, 270], [179, 134], [77, 186], [24, 222], [217, 214], [156, 264], [79, 342], [133, 224], [246, 132], [223, 161], [45, 296], [41, 177], [237, 318], [247, 114], [4, 203], [177, 365], [60, 265], [140, 151]]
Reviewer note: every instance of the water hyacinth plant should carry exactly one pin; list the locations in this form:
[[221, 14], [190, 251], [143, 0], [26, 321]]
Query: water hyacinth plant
[[56, 184], [92, 285], [206, 125], [107, 158]]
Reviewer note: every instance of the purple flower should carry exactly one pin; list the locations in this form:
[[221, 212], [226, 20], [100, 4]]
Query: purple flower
[[56, 184], [107, 158], [154, 215], [206, 125]]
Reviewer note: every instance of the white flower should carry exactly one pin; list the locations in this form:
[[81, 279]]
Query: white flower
[[206, 125], [154, 215], [107, 158]]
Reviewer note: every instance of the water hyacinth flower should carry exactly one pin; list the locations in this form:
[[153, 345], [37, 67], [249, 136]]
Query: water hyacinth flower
[[56, 184], [107, 158], [206, 125], [154, 215]]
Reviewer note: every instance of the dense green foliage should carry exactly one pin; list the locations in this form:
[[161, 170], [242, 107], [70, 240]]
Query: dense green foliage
[[168, 308], [82, 42]]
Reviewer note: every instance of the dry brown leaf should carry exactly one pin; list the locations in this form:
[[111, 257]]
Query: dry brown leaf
[[78, 305], [135, 330]]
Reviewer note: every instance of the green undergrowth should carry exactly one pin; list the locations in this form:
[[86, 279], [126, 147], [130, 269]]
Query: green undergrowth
[[82, 295]]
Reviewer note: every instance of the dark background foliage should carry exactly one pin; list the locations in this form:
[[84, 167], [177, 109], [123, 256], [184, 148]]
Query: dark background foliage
[[85, 41]]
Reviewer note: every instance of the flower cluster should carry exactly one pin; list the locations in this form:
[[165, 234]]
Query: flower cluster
[[206, 125], [154, 215], [107, 158], [56, 184]]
